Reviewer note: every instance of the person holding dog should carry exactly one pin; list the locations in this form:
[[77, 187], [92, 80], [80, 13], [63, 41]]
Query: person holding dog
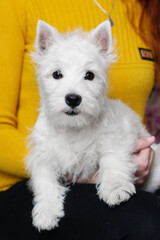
[[130, 79]]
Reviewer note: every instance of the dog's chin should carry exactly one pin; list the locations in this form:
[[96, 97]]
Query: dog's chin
[[71, 118]]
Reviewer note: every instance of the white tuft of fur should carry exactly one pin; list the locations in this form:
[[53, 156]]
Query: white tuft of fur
[[96, 136]]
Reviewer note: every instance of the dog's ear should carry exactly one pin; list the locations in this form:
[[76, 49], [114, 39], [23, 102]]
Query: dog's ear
[[45, 36], [102, 36]]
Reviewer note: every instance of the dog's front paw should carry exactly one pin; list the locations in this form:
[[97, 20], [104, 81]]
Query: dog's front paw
[[45, 218], [118, 194]]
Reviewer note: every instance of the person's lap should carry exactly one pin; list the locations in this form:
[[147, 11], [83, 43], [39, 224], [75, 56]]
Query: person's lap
[[86, 217]]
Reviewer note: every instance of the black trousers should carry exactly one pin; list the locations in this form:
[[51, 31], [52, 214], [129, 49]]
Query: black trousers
[[86, 217]]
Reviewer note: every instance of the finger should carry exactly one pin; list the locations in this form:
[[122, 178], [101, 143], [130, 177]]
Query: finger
[[145, 173], [150, 161], [152, 153], [139, 181], [144, 143], [143, 177], [142, 160]]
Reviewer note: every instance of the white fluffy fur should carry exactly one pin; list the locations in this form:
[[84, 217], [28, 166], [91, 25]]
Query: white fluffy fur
[[100, 138]]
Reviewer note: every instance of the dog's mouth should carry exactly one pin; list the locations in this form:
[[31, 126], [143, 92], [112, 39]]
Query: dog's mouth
[[71, 113]]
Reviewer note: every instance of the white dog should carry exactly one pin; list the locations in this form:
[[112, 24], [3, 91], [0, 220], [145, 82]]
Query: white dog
[[79, 131]]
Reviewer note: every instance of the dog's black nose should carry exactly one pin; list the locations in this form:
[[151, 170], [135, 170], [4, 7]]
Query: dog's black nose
[[73, 100]]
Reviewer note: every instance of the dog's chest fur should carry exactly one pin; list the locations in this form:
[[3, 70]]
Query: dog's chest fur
[[76, 152]]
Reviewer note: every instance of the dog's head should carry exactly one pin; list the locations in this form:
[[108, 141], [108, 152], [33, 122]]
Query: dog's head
[[71, 71]]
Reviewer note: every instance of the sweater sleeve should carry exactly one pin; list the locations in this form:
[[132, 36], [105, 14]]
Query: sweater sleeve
[[12, 45]]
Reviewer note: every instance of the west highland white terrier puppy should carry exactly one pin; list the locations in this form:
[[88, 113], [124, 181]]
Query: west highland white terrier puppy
[[79, 131]]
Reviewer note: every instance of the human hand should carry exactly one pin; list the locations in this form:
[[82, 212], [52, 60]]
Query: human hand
[[143, 156]]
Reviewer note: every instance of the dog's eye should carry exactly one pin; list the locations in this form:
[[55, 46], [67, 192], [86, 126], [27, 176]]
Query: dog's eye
[[89, 76], [57, 75]]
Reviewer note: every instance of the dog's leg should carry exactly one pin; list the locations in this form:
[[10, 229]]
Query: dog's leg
[[115, 179], [48, 198]]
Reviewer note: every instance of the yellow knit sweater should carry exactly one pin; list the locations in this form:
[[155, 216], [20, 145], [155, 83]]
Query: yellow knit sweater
[[130, 79]]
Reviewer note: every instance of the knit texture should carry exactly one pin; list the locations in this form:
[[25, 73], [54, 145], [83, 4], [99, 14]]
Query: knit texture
[[130, 79]]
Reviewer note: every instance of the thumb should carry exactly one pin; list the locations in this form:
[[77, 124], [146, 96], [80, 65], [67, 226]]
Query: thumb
[[143, 143]]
